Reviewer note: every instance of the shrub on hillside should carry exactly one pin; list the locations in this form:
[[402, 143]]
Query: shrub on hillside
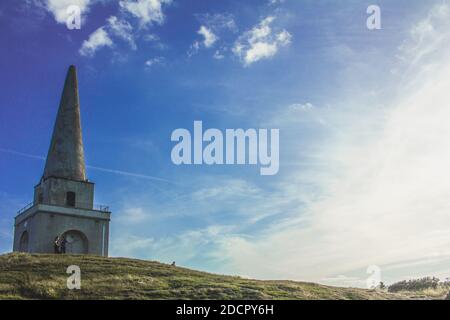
[[415, 284]]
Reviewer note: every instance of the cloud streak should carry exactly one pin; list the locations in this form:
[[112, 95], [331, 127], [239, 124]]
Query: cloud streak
[[102, 169]]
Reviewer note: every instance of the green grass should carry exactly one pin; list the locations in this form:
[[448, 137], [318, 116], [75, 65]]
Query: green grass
[[43, 276]]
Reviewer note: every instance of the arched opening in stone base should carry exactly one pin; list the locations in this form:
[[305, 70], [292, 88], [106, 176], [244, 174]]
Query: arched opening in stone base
[[75, 242], [23, 243]]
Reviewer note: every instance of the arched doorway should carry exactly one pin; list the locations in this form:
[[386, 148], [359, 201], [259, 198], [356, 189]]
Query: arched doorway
[[23, 244], [76, 242]]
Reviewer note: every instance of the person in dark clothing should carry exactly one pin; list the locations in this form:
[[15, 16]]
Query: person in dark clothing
[[63, 245], [56, 245]]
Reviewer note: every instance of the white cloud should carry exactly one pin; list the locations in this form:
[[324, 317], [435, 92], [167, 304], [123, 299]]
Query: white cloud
[[228, 190], [122, 29], [154, 61], [98, 39], [59, 8], [345, 281], [212, 25], [260, 42], [193, 49], [151, 37], [275, 2], [209, 37], [260, 50], [300, 106], [127, 246], [147, 11], [218, 21], [284, 38], [298, 113], [184, 248], [386, 197], [218, 55], [102, 37], [426, 36], [133, 216], [384, 183]]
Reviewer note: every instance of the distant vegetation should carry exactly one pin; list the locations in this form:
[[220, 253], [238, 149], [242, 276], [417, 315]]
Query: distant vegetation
[[415, 284], [429, 286]]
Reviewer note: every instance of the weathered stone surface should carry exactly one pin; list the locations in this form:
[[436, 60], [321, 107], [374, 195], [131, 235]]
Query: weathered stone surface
[[43, 223], [65, 157]]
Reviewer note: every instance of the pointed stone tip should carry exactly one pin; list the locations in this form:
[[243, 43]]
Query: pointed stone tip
[[65, 158], [72, 70], [71, 80]]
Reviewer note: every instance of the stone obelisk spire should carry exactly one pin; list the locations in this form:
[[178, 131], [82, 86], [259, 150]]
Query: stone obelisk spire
[[63, 202], [65, 157]]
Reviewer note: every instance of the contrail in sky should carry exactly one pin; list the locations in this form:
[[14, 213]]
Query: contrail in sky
[[119, 172], [22, 154]]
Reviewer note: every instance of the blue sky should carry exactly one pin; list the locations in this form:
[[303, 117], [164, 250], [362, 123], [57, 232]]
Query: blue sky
[[363, 172]]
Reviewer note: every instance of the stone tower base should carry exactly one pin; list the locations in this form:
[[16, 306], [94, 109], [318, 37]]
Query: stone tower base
[[86, 231]]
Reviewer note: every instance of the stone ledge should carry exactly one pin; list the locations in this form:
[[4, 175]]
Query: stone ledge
[[52, 209]]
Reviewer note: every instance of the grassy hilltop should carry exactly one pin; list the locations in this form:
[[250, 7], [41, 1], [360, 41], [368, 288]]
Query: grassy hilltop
[[43, 276]]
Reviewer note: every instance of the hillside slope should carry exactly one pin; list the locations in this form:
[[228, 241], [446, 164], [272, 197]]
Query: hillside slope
[[43, 276]]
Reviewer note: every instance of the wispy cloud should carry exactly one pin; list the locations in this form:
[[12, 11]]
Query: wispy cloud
[[260, 42], [218, 22], [218, 55], [148, 12], [212, 25], [427, 36], [102, 37], [275, 2], [184, 248], [98, 39], [209, 37], [122, 29], [134, 216], [154, 61]]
